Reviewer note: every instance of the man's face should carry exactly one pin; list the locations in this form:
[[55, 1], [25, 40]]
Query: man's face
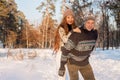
[[89, 24], [69, 19]]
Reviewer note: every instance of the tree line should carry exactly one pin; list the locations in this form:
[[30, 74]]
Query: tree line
[[16, 31]]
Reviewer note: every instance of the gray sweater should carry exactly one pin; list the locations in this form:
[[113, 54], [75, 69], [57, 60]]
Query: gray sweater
[[79, 47]]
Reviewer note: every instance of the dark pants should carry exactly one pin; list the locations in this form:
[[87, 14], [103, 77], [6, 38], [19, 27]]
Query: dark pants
[[86, 72]]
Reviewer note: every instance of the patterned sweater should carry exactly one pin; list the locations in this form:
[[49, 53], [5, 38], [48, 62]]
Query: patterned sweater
[[78, 47]]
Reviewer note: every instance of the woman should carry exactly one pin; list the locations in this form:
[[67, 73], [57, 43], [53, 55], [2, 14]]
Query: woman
[[64, 31]]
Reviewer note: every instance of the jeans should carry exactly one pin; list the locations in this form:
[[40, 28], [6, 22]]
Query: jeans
[[86, 72]]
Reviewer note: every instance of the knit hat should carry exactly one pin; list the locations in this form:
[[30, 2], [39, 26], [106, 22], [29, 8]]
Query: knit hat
[[68, 12], [89, 17]]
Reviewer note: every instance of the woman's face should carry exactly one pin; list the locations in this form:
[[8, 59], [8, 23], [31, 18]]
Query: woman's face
[[69, 19]]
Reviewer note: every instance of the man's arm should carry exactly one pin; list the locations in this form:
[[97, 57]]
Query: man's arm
[[66, 49]]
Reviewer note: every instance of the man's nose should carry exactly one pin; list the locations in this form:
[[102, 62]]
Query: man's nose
[[91, 24]]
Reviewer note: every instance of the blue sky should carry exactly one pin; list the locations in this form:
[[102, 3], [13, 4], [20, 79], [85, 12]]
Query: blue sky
[[28, 7]]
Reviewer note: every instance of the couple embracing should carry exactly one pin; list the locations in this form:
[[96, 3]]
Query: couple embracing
[[75, 45]]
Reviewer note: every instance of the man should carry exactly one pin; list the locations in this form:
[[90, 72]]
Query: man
[[77, 50]]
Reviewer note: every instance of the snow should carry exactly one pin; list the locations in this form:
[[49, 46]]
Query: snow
[[105, 65]]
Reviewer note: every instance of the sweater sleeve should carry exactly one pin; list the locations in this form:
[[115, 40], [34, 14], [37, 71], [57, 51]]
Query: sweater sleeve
[[66, 50], [63, 35]]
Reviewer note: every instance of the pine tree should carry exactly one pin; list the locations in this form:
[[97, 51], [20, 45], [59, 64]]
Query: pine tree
[[48, 9]]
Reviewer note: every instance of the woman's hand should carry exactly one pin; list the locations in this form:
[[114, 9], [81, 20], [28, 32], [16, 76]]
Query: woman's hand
[[77, 30]]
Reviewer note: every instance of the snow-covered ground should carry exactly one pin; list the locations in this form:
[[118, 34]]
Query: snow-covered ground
[[106, 65]]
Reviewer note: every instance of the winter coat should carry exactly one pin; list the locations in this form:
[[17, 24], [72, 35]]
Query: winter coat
[[63, 36]]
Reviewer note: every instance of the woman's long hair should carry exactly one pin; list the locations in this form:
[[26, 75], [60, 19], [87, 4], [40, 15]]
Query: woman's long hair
[[57, 38]]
